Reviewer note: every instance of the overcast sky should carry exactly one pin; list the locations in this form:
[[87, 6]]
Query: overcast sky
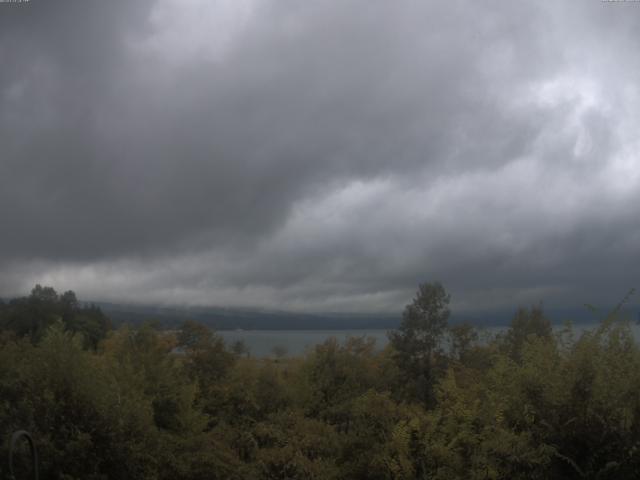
[[321, 155]]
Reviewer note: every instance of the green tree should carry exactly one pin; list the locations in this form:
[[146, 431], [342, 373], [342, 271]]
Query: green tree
[[417, 341], [334, 374], [31, 316], [526, 324], [463, 338], [207, 358], [208, 362], [86, 424]]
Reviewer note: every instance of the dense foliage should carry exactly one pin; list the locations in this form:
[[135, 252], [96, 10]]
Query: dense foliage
[[436, 403]]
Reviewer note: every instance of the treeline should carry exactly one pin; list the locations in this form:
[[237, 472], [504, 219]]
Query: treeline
[[530, 403], [31, 316]]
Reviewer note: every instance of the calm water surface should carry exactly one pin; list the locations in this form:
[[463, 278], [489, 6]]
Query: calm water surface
[[261, 343]]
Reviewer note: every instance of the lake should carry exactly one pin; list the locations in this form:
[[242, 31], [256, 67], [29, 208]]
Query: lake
[[262, 342]]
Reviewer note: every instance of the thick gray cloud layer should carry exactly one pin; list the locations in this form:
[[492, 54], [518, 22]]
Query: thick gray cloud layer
[[320, 155]]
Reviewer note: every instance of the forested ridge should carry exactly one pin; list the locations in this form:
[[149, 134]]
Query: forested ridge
[[436, 403]]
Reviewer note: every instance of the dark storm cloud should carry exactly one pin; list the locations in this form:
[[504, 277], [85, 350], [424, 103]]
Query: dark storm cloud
[[317, 155], [122, 160]]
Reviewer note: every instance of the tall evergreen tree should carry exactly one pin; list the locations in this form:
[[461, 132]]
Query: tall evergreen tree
[[417, 341]]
